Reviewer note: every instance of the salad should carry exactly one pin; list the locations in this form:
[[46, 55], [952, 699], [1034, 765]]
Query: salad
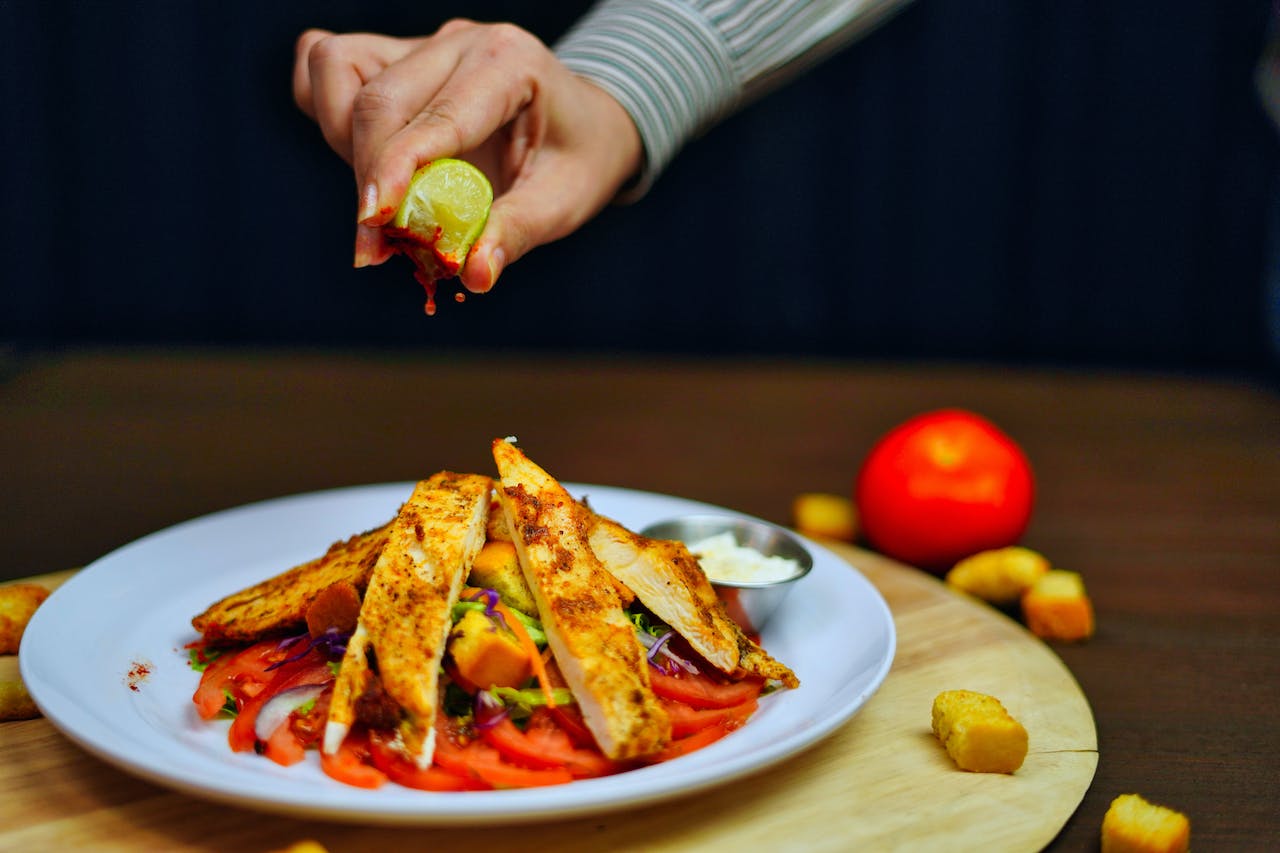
[[496, 633]]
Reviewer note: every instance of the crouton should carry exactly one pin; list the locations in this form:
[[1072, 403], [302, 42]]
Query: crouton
[[825, 515], [15, 702], [978, 733], [496, 529], [1133, 825], [1056, 607], [306, 846], [999, 576], [486, 655], [497, 567], [18, 603]]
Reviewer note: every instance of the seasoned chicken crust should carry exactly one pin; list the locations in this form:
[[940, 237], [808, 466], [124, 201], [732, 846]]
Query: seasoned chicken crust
[[593, 641], [278, 606], [667, 579], [406, 613]]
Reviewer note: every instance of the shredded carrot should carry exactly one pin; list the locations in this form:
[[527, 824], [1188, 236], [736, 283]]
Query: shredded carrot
[[531, 649]]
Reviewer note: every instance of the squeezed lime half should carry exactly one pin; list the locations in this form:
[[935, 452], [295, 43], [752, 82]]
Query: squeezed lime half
[[445, 209], [440, 218]]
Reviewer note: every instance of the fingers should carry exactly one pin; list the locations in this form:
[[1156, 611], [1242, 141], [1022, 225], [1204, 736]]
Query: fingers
[[329, 73], [575, 167], [471, 80], [494, 94], [302, 91], [371, 246], [544, 206]]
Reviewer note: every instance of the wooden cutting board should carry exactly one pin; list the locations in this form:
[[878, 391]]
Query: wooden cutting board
[[881, 782]]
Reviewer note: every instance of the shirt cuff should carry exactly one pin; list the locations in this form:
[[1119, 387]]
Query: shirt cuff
[[664, 63]]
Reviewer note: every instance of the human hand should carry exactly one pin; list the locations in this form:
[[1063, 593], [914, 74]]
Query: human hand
[[555, 147]]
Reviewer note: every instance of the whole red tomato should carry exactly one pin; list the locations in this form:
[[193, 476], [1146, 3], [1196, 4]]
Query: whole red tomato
[[942, 486]]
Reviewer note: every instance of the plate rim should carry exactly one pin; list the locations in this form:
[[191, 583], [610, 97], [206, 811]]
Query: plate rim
[[523, 805]]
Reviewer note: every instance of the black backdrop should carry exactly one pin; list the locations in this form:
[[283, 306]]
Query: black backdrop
[[1018, 181]]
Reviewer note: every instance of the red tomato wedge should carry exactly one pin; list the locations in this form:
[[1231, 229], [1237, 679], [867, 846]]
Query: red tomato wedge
[[231, 671], [692, 743], [352, 764], [283, 747], [569, 718], [311, 669], [399, 769], [544, 745], [702, 691], [686, 720], [479, 760]]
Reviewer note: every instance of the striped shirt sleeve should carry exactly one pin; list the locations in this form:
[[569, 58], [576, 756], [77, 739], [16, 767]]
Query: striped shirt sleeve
[[679, 66]]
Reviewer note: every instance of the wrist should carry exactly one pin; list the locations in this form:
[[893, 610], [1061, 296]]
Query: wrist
[[619, 146]]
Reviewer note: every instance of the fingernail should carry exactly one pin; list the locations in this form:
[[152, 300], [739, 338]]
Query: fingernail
[[364, 249], [496, 260], [368, 203]]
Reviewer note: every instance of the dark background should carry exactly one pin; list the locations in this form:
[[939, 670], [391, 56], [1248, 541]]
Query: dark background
[[1086, 183]]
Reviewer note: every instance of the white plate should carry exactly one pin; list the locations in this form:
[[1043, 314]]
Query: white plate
[[84, 653]]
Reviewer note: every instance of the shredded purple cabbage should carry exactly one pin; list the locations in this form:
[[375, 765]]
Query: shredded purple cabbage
[[332, 642], [662, 658], [490, 598], [488, 710], [656, 648]]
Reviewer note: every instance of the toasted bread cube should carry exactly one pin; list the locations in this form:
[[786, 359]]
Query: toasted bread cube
[[825, 515], [15, 702], [496, 567], [18, 603], [496, 529], [999, 576], [1133, 825], [305, 846], [1056, 607], [978, 733], [487, 655]]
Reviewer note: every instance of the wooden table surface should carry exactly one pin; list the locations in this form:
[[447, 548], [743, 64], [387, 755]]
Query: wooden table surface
[[1163, 490]]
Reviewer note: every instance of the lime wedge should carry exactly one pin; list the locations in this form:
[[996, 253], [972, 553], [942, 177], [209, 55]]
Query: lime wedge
[[443, 212]]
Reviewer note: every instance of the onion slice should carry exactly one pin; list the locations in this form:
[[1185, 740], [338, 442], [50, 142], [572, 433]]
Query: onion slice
[[660, 656], [278, 708]]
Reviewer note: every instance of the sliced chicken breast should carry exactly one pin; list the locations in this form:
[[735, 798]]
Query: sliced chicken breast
[[667, 579], [592, 638], [277, 607], [406, 613]]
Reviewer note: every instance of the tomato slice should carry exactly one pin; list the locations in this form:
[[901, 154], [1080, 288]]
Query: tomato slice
[[477, 760], [311, 669], [231, 671], [692, 743], [569, 718], [686, 720], [512, 744], [399, 769], [283, 747], [352, 763], [544, 745], [703, 691], [486, 763]]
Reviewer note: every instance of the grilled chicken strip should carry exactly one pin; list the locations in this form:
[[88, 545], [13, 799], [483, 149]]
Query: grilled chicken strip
[[667, 579], [406, 614], [593, 641], [278, 606]]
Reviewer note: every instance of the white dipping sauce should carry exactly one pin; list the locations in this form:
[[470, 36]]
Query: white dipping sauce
[[724, 560]]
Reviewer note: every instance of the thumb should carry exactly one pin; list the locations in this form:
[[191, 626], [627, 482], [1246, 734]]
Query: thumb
[[542, 208]]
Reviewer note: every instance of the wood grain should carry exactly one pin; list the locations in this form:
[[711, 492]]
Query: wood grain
[[1163, 490], [879, 782]]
